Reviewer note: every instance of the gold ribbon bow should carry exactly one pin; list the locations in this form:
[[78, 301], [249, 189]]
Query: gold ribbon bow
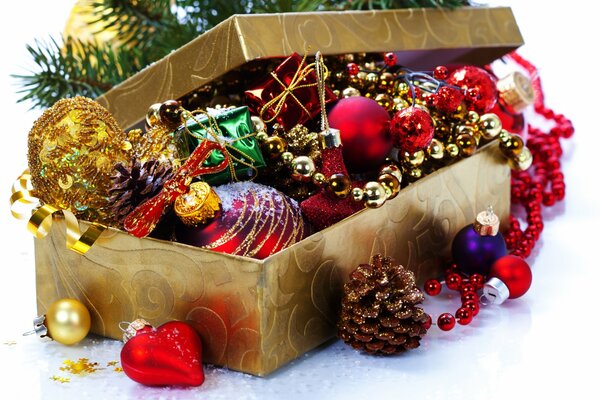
[[280, 99], [40, 222], [215, 133]]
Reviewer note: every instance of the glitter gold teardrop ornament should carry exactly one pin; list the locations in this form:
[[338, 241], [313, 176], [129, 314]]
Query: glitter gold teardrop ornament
[[72, 149]]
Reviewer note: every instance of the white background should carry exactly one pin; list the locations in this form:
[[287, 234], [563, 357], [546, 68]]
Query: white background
[[545, 344]]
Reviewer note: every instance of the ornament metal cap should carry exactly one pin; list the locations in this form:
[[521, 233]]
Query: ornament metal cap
[[132, 327], [330, 138], [198, 205], [487, 223], [494, 292], [39, 327], [516, 91]]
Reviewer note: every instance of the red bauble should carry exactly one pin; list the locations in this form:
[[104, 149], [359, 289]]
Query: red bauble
[[446, 321], [514, 272], [364, 129], [169, 355], [412, 129], [448, 99], [483, 84], [255, 221]]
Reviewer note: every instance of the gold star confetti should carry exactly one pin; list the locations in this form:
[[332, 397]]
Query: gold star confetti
[[83, 366], [118, 369], [111, 363], [9, 343], [60, 379]]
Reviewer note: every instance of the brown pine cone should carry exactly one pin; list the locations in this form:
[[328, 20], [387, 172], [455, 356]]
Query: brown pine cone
[[134, 183], [379, 313]]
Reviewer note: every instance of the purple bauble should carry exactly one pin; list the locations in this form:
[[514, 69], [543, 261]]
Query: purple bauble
[[475, 254]]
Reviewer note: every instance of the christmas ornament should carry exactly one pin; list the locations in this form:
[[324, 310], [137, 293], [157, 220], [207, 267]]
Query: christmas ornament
[[234, 130], [289, 96], [364, 130], [144, 218], [255, 221], [72, 149], [510, 278], [476, 247], [199, 205], [411, 129], [135, 182], [379, 309], [67, 321], [168, 355], [479, 86]]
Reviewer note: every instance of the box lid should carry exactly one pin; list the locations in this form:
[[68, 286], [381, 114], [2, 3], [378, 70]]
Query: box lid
[[424, 38]]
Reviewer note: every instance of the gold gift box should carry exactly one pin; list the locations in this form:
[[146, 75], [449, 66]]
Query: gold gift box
[[256, 315]]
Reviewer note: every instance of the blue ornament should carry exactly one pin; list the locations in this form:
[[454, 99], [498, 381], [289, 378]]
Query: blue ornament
[[477, 246]]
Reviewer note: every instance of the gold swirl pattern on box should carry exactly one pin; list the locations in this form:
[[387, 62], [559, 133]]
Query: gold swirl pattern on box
[[476, 35], [257, 315]]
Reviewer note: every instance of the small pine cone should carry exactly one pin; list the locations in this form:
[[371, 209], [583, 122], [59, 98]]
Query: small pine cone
[[134, 183], [379, 308]]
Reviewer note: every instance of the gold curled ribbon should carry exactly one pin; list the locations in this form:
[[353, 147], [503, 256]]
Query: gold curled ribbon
[[279, 100], [215, 132], [40, 222]]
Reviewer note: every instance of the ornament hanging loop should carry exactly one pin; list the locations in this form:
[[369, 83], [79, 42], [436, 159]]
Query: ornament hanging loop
[[329, 137]]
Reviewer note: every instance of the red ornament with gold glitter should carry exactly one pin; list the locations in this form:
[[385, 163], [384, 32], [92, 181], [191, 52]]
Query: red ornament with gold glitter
[[479, 87], [412, 129]]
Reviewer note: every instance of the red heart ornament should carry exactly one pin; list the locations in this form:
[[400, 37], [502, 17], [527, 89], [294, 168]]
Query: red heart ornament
[[168, 355]]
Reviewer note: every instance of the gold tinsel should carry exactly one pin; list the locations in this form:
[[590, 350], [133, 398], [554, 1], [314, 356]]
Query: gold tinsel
[[72, 149]]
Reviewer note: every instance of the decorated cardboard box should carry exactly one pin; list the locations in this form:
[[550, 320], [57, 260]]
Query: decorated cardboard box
[[256, 315]]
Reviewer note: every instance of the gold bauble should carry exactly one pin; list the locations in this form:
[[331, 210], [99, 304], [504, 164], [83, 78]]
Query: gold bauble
[[261, 136], [303, 169], [490, 126], [452, 150], [472, 117], [391, 185], [319, 179], [375, 194], [274, 147], [415, 159], [391, 169], [467, 144], [72, 149], [152, 116], [350, 92], [522, 161], [258, 124], [357, 194], [198, 206], [68, 321], [340, 185], [287, 157], [436, 149], [385, 101], [513, 146]]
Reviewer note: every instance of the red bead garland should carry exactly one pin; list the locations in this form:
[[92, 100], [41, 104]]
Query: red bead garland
[[543, 184]]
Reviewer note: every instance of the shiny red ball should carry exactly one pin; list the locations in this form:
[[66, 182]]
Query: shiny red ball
[[467, 288], [446, 321], [441, 73], [469, 296], [364, 130], [479, 84], [464, 316], [390, 59], [412, 129], [432, 287], [427, 324], [472, 305], [514, 272], [477, 280], [448, 99], [352, 69], [453, 281]]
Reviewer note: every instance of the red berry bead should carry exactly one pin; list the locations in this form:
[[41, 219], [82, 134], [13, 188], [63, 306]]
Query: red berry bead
[[477, 280], [453, 281], [469, 296], [464, 316], [352, 69], [472, 305], [427, 323], [390, 59], [433, 287], [441, 73], [467, 288], [446, 321]]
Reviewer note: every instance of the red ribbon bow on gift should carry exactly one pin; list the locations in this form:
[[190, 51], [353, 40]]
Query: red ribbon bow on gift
[[141, 221]]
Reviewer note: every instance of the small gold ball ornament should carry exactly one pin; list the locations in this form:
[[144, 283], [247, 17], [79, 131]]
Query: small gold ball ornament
[[392, 170], [152, 117], [391, 185], [375, 194], [490, 126], [513, 146], [274, 146], [522, 161], [198, 206], [303, 168], [350, 92], [340, 185], [466, 144], [319, 179], [287, 157], [357, 194], [68, 321], [436, 149], [261, 136]]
